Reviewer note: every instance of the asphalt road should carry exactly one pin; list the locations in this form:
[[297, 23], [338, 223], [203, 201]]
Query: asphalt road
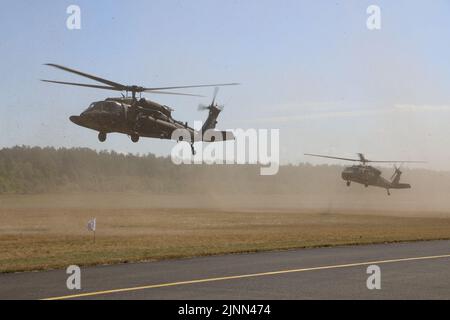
[[415, 270]]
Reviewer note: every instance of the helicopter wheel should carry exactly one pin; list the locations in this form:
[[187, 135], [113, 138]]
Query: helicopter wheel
[[134, 138], [366, 185], [348, 183], [101, 136]]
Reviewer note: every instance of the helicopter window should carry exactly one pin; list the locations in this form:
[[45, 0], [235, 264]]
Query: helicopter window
[[110, 106], [91, 107]]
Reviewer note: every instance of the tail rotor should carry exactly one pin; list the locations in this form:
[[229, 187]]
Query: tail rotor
[[213, 112], [213, 105], [396, 175]]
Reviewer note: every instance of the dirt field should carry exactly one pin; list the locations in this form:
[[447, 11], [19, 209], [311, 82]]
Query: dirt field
[[41, 232]]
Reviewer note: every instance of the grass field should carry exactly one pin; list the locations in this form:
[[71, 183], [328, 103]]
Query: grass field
[[38, 233]]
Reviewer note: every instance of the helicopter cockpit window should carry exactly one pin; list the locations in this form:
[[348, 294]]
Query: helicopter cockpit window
[[91, 107], [110, 106]]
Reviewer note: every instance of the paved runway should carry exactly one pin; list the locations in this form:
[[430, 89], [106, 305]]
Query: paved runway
[[415, 270]]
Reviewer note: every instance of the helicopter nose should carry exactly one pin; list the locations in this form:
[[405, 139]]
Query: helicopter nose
[[75, 119]]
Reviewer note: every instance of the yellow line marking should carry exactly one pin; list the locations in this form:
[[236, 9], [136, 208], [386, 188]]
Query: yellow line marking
[[252, 275]]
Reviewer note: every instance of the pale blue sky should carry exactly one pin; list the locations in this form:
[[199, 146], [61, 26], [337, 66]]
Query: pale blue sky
[[310, 68]]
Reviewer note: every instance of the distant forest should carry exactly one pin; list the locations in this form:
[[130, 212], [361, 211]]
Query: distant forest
[[42, 170]]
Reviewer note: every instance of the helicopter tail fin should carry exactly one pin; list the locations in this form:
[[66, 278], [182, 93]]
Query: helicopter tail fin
[[211, 121], [395, 180], [209, 134]]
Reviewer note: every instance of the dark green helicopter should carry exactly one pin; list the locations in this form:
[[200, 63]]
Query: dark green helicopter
[[368, 175], [142, 118]]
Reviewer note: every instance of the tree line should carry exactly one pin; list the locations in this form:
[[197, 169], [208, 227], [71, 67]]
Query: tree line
[[26, 169]]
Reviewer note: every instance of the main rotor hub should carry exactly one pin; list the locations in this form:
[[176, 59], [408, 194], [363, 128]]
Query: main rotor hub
[[136, 88]]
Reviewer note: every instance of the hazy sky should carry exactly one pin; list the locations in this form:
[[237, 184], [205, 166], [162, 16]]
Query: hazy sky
[[310, 68]]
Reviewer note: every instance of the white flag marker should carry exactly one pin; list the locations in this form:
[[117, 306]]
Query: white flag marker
[[92, 224]]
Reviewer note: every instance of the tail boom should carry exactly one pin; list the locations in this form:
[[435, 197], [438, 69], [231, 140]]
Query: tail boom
[[400, 186]]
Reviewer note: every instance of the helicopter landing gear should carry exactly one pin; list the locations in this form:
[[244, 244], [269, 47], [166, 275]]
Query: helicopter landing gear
[[388, 192], [192, 149], [135, 137], [366, 185], [101, 136], [348, 183]]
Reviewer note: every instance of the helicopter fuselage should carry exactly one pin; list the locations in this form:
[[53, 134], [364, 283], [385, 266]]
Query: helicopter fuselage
[[141, 118], [145, 119], [370, 176]]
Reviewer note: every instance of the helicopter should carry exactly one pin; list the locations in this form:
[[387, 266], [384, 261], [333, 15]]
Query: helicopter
[[142, 118], [368, 175]]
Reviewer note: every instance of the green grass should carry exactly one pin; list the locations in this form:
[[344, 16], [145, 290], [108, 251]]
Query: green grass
[[39, 238]]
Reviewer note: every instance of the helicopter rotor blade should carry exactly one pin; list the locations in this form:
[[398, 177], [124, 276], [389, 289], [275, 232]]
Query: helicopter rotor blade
[[121, 87], [396, 171], [192, 86], [202, 107], [395, 161], [82, 85], [393, 175], [175, 93], [89, 76], [117, 89], [216, 91], [363, 160], [329, 157]]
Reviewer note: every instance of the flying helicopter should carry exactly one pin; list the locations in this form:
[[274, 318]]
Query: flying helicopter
[[368, 175], [141, 118]]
